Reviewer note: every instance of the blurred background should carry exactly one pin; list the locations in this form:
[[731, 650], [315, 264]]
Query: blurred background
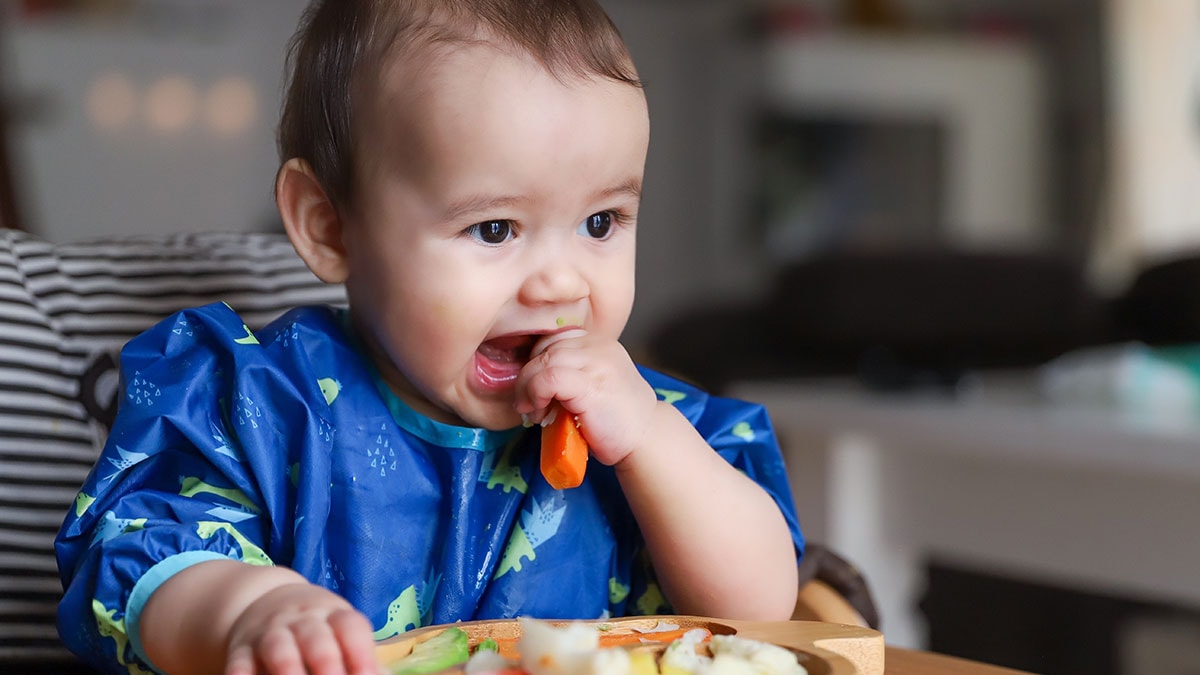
[[949, 245]]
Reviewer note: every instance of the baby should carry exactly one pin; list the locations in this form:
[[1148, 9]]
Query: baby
[[471, 171]]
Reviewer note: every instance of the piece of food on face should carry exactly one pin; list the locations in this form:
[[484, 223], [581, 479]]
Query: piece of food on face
[[447, 649], [564, 452]]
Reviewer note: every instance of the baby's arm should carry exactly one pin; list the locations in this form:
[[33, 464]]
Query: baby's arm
[[227, 616], [719, 543]]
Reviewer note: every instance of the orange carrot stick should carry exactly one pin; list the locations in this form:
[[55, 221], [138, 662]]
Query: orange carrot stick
[[564, 452], [633, 637]]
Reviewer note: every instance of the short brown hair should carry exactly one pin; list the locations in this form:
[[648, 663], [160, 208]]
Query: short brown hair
[[339, 42]]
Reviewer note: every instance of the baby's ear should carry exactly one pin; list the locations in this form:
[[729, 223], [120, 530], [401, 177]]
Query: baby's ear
[[311, 221]]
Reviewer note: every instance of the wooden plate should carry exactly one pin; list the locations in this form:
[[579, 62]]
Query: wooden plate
[[823, 648]]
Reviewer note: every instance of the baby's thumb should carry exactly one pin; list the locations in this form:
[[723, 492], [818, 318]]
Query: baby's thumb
[[543, 344]]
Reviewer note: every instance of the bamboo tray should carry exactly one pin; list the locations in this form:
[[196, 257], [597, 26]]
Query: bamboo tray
[[823, 648]]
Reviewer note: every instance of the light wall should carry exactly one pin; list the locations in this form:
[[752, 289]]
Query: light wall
[[83, 179], [1154, 195]]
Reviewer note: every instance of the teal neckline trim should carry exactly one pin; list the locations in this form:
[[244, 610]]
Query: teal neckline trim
[[429, 430], [440, 433]]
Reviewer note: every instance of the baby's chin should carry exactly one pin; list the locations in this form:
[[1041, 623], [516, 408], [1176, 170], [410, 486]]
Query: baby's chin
[[493, 416], [471, 406]]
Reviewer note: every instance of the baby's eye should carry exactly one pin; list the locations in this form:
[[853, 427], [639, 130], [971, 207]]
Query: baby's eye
[[491, 232], [597, 225]]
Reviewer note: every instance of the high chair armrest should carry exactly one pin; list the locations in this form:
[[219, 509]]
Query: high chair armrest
[[833, 590]]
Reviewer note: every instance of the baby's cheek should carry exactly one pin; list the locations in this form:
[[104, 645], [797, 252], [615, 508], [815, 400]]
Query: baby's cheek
[[445, 321]]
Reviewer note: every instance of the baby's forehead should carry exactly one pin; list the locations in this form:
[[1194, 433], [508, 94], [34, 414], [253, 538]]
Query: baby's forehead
[[416, 48], [410, 80]]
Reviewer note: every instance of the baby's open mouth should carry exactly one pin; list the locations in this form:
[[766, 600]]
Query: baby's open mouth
[[510, 349], [499, 360]]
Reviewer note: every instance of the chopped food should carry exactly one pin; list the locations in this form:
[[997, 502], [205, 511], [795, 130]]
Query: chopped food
[[488, 661], [447, 649], [682, 656], [763, 657], [564, 452], [489, 644], [580, 648]]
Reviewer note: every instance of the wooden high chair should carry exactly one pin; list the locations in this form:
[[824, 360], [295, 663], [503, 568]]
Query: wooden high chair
[[833, 590]]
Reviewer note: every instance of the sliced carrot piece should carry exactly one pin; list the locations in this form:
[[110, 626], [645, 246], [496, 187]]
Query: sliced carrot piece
[[564, 452], [508, 647], [633, 637]]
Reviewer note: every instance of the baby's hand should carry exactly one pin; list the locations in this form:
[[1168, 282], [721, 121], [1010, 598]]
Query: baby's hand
[[301, 628], [595, 379]]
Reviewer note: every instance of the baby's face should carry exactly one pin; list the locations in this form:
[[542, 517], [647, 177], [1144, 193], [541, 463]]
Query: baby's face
[[495, 205]]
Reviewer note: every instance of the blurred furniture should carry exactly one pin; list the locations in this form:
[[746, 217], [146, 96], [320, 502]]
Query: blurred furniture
[[833, 590], [898, 661], [988, 97], [997, 479], [10, 215], [895, 319], [1162, 304]]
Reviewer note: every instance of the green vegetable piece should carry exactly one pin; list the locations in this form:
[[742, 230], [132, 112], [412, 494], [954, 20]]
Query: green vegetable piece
[[488, 645], [444, 650]]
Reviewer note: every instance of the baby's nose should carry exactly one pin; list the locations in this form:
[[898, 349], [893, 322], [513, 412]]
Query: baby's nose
[[556, 282]]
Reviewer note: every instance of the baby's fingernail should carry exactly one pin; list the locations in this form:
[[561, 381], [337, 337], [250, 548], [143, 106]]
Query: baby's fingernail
[[525, 421], [549, 419]]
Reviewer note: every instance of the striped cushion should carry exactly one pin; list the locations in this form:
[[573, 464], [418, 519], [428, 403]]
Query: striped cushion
[[65, 311]]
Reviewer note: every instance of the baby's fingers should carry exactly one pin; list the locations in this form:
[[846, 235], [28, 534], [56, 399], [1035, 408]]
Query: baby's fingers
[[319, 646], [279, 654], [240, 661], [353, 632]]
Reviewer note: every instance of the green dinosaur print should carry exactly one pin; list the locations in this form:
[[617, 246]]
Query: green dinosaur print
[[110, 627], [111, 527], [518, 547], [507, 475], [401, 614], [251, 554], [538, 524], [193, 486], [249, 339], [669, 396], [617, 591], [330, 388], [652, 601], [83, 501], [743, 431]]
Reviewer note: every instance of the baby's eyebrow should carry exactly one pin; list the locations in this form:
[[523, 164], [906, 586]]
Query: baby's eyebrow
[[475, 204], [631, 187], [479, 204]]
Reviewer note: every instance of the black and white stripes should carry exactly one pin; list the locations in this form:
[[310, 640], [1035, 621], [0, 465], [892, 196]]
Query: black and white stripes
[[65, 310]]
